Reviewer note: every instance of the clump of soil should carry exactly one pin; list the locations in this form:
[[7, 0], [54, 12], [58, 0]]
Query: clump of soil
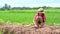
[[27, 29]]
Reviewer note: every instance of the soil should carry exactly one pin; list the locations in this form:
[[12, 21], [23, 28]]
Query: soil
[[28, 29]]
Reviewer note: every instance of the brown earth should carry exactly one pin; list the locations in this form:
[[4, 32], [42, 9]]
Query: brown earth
[[28, 29]]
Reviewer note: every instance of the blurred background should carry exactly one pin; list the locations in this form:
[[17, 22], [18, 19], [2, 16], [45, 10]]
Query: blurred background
[[23, 11]]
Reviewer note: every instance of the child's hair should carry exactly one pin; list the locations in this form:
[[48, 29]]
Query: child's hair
[[40, 9]]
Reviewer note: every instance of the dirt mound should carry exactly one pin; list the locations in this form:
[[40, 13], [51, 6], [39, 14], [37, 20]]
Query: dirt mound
[[26, 29]]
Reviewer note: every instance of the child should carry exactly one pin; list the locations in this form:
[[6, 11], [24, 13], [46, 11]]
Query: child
[[40, 18]]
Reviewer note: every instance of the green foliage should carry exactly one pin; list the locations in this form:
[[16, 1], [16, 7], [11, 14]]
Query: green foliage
[[26, 16]]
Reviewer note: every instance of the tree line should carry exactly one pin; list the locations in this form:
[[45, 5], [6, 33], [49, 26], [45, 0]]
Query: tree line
[[8, 7]]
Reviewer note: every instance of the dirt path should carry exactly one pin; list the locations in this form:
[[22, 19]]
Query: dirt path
[[26, 29]]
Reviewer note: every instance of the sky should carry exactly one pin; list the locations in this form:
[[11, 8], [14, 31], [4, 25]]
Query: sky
[[30, 3]]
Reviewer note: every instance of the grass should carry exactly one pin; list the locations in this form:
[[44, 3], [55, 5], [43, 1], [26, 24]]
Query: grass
[[26, 16]]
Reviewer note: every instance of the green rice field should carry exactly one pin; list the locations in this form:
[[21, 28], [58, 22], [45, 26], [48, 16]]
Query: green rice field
[[26, 16]]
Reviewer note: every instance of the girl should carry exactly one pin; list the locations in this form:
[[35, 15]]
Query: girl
[[39, 18]]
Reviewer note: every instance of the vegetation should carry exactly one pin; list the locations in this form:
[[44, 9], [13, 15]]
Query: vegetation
[[26, 16]]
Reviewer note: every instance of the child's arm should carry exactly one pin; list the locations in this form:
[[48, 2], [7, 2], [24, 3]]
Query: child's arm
[[35, 17]]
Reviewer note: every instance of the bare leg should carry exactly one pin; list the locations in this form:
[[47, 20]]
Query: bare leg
[[36, 23], [41, 20]]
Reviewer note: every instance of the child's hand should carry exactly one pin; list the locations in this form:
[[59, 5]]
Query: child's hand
[[35, 26]]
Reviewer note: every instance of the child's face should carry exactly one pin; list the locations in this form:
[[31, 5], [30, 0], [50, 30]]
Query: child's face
[[40, 13]]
